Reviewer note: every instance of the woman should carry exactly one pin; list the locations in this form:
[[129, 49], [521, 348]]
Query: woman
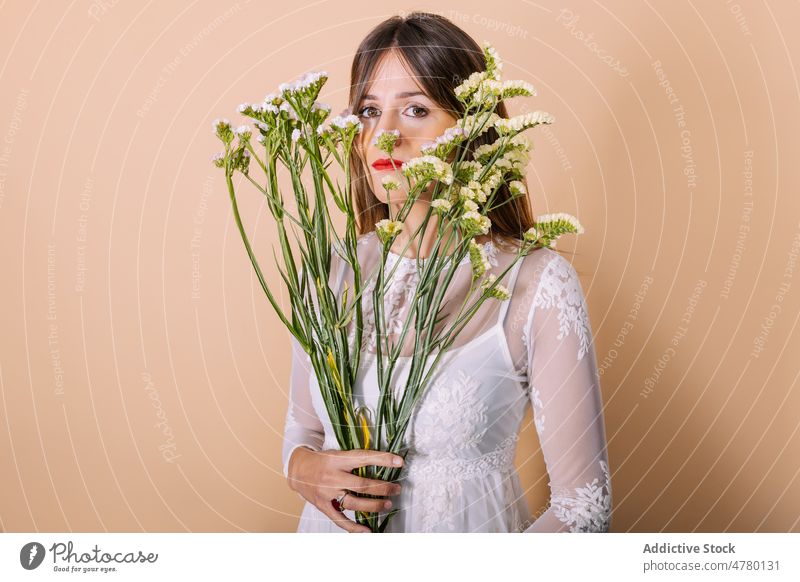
[[458, 474]]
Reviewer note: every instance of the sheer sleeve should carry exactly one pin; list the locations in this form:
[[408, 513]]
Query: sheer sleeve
[[564, 388], [303, 427]]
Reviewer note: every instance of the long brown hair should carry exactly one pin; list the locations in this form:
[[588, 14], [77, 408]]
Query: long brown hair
[[441, 55]]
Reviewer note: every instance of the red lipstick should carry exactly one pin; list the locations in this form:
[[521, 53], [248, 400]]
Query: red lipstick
[[386, 164]]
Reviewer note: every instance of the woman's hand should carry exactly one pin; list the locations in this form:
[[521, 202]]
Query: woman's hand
[[319, 476]]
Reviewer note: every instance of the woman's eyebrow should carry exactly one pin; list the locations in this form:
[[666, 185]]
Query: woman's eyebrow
[[402, 95]]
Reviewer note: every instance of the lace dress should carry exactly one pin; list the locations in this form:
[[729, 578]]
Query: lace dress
[[534, 349]]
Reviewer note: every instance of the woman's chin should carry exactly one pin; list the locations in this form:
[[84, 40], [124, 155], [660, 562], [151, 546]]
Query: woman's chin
[[379, 175]]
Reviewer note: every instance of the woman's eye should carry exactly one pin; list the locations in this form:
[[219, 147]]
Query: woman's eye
[[361, 113], [416, 111]]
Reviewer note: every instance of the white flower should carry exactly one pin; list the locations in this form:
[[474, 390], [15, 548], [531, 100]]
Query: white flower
[[484, 120], [474, 222], [561, 217], [270, 108], [288, 109], [520, 142], [385, 139], [513, 159], [347, 122], [522, 122], [466, 91], [478, 257], [429, 168], [308, 80], [243, 131], [387, 229], [296, 135], [469, 170], [451, 134], [517, 188], [491, 182], [488, 92], [518, 88], [505, 89], [486, 151], [499, 291], [441, 146], [241, 161], [312, 77], [470, 84], [390, 182], [428, 148], [473, 191], [494, 65], [218, 159], [441, 205], [548, 227], [470, 206], [514, 150], [220, 124]]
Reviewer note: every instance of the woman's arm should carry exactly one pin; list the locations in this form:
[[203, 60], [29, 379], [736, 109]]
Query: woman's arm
[[303, 427], [564, 389]]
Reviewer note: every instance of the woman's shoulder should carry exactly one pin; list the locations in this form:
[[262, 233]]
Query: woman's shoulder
[[361, 240], [366, 238], [535, 260], [541, 264]]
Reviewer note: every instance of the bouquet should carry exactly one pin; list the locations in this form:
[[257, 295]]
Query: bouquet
[[291, 133]]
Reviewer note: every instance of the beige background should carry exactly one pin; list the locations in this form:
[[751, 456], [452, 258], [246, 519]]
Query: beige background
[[143, 374]]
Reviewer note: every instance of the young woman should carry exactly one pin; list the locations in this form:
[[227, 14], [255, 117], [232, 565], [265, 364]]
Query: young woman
[[535, 348]]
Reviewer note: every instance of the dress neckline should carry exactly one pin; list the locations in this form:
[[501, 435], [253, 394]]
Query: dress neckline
[[488, 245]]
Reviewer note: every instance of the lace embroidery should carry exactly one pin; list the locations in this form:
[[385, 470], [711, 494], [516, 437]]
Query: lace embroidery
[[437, 481], [491, 253], [585, 509], [400, 286], [560, 287], [489, 246], [430, 469], [291, 419], [538, 413], [450, 415]]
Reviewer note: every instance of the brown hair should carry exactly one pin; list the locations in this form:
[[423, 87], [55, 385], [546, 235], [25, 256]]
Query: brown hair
[[441, 55]]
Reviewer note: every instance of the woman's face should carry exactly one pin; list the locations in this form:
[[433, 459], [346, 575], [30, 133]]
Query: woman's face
[[395, 101]]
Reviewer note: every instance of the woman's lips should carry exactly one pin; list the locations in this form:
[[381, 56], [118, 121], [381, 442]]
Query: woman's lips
[[386, 164]]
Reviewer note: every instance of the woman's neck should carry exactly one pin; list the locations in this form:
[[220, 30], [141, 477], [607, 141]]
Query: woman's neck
[[421, 244]]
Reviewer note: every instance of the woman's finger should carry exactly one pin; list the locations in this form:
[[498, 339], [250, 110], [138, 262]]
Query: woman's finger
[[370, 486], [366, 504], [360, 457], [340, 519]]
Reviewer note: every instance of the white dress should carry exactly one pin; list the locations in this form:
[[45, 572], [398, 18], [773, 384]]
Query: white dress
[[534, 349]]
